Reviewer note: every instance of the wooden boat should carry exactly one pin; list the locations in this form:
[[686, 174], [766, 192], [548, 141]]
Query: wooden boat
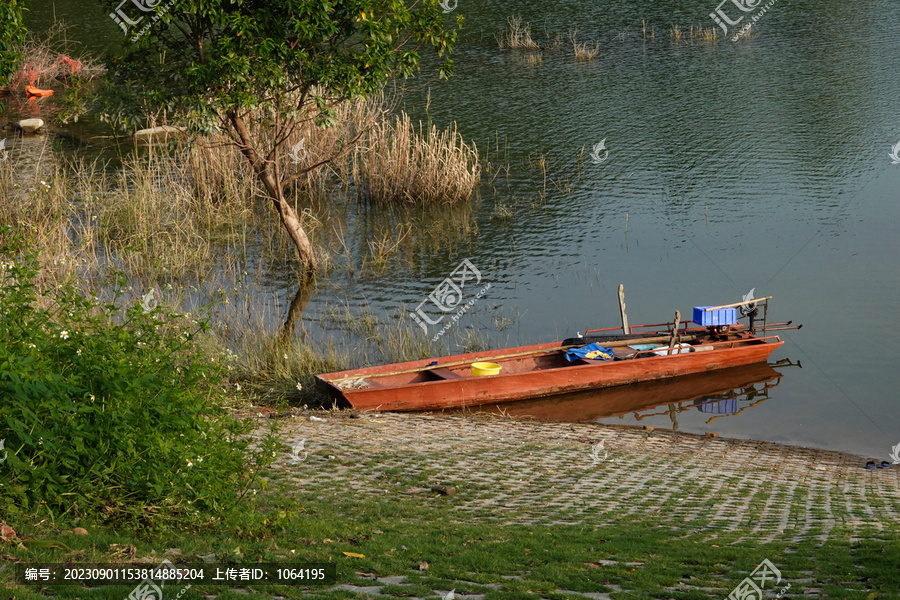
[[542, 369], [689, 392]]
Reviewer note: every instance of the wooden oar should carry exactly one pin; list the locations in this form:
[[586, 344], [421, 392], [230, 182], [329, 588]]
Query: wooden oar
[[783, 327], [450, 364], [780, 324]]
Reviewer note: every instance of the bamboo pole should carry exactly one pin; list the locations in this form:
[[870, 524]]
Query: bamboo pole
[[754, 301]]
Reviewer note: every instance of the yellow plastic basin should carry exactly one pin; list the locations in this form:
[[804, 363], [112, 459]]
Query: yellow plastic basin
[[485, 368]]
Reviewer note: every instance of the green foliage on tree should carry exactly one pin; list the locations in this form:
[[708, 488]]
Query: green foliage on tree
[[12, 36], [245, 66]]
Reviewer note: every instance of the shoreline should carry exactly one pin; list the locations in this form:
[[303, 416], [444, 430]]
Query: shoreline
[[537, 472], [848, 458]]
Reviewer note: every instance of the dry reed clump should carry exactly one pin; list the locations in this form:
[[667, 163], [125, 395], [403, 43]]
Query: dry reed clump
[[191, 213], [397, 163], [310, 155], [706, 34], [219, 172], [38, 208], [584, 51], [694, 32], [386, 158], [352, 119], [313, 162], [86, 220], [518, 37]]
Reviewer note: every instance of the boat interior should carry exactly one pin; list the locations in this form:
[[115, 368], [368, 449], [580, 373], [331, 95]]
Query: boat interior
[[688, 340]]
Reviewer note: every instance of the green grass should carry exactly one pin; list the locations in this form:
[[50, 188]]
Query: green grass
[[397, 533]]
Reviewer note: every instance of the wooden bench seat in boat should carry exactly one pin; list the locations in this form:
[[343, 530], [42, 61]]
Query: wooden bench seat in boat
[[442, 373]]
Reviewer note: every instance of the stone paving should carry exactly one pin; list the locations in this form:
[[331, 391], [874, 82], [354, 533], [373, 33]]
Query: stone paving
[[533, 472]]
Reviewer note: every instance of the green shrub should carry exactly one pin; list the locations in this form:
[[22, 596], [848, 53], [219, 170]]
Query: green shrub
[[12, 36], [108, 407]]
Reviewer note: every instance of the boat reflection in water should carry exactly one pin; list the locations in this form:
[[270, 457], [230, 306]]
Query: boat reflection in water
[[721, 393]]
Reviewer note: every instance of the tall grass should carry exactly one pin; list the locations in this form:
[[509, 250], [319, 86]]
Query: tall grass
[[190, 222], [220, 170], [396, 162], [706, 34], [518, 36], [171, 216], [694, 32], [142, 218], [392, 161], [583, 51]]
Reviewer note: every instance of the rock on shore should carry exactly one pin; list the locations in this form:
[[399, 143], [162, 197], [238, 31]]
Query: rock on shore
[[30, 125]]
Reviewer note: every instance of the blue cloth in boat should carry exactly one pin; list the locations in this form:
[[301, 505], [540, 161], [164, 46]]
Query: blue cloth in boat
[[593, 351]]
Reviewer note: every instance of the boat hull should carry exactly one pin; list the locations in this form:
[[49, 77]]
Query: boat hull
[[528, 372], [591, 405]]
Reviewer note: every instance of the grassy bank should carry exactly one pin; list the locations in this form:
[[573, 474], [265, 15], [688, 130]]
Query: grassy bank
[[524, 513], [410, 538]]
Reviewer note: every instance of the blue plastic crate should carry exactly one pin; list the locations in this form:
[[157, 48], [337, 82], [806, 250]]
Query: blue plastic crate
[[728, 406], [720, 316]]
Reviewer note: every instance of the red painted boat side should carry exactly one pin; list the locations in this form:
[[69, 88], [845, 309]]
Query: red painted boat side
[[511, 385], [590, 405]]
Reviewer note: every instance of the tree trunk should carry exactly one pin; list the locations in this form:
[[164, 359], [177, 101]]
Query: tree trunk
[[266, 176], [298, 305], [290, 220]]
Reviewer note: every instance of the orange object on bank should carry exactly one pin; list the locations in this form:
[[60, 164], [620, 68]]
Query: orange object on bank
[[30, 90]]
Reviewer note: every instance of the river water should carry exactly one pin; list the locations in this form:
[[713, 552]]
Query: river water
[[762, 164]]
